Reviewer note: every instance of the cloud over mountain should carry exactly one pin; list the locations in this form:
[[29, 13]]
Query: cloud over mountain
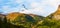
[[38, 7]]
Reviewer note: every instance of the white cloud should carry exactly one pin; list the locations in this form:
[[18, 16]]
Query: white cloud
[[34, 4], [19, 1], [38, 8], [37, 11], [5, 8], [53, 2]]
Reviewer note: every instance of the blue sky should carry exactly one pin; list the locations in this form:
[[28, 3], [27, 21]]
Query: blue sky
[[38, 7]]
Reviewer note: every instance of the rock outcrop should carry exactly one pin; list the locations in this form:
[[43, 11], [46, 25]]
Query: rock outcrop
[[55, 15]]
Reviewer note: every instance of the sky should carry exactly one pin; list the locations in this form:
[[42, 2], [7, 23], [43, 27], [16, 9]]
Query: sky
[[38, 7]]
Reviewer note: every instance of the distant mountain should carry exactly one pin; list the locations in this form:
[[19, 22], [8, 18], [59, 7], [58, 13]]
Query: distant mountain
[[18, 18]]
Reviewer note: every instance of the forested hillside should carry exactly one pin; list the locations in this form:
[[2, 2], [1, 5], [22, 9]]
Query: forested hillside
[[21, 20]]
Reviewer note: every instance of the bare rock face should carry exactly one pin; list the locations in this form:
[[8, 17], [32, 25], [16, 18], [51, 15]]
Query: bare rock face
[[56, 15]]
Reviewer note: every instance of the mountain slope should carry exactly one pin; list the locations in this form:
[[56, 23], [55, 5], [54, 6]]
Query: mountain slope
[[21, 18], [55, 15]]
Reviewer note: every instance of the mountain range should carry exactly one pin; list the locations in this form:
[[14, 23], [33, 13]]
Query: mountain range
[[17, 18]]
